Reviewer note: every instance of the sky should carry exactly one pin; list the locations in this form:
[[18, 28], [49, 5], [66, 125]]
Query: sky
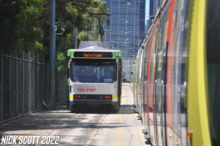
[[146, 11]]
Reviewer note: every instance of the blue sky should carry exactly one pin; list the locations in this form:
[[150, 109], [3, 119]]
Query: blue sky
[[146, 10]]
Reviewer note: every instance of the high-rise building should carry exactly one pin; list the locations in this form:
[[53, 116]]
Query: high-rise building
[[127, 25], [126, 31], [153, 7]]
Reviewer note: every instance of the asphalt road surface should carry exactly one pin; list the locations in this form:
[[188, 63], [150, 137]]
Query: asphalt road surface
[[92, 127]]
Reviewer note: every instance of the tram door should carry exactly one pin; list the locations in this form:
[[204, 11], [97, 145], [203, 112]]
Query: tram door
[[159, 82], [119, 71], [145, 84], [140, 85]]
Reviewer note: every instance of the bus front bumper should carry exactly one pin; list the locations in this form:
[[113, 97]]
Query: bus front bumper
[[93, 102]]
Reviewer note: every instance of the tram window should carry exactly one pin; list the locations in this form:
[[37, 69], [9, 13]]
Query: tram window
[[93, 70], [213, 68]]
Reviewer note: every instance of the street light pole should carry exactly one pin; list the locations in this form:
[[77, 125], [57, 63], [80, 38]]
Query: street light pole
[[130, 70], [87, 32], [52, 55], [98, 16], [75, 38], [99, 29], [95, 30]]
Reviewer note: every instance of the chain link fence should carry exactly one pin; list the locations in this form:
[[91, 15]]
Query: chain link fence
[[24, 85]]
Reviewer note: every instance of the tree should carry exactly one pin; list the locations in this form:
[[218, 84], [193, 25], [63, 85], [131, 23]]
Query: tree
[[19, 25], [80, 19], [25, 25]]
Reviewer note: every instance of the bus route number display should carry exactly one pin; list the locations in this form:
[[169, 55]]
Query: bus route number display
[[93, 54]]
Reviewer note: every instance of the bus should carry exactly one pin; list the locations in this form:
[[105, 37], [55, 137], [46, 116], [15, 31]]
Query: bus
[[94, 76]]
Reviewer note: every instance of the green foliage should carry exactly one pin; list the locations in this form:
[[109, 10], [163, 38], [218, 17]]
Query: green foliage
[[19, 30], [25, 25], [80, 19]]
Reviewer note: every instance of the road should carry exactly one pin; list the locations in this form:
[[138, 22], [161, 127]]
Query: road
[[88, 127]]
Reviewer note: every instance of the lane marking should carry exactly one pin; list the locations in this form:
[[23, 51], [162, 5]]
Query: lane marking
[[118, 132], [137, 129]]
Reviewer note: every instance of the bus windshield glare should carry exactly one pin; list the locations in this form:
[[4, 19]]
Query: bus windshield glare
[[93, 70]]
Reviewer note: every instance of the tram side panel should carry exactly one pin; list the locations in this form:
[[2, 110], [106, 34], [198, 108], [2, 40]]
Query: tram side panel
[[151, 80], [159, 72], [144, 76], [181, 80], [137, 81], [173, 89], [134, 82], [170, 110], [147, 81], [140, 84]]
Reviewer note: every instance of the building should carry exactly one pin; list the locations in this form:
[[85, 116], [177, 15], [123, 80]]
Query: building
[[126, 31], [153, 7], [127, 25]]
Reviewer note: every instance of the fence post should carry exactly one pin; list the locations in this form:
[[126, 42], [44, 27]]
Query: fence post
[[33, 82], [10, 86], [29, 88], [43, 82], [2, 89], [16, 82], [38, 72], [63, 87], [23, 84]]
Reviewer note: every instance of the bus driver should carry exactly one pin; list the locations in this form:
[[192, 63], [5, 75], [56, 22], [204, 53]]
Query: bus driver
[[83, 72]]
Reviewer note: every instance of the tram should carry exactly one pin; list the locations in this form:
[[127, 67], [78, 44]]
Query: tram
[[94, 76], [176, 79]]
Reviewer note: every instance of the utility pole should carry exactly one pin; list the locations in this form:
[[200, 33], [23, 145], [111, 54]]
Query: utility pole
[[52, 56], [95, 30], [99, 28], [87, 34], [75, 38], [98, 16], [105, 33]]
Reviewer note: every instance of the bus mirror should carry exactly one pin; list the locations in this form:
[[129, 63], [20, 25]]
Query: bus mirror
[[132, 73], [67, 58], [67, 73]]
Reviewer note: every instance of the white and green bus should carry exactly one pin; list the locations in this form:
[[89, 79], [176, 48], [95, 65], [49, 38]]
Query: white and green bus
[[94, 76]]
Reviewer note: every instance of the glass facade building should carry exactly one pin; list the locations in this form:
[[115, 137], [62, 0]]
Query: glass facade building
[[126, 31]]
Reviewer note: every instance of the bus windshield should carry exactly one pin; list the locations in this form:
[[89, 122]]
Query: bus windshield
[[93, 70]]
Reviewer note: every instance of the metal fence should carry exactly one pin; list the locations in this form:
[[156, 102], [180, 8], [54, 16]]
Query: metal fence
[[24, 85]]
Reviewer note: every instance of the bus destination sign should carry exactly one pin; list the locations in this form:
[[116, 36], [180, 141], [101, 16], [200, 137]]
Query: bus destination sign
[[93, 54]]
